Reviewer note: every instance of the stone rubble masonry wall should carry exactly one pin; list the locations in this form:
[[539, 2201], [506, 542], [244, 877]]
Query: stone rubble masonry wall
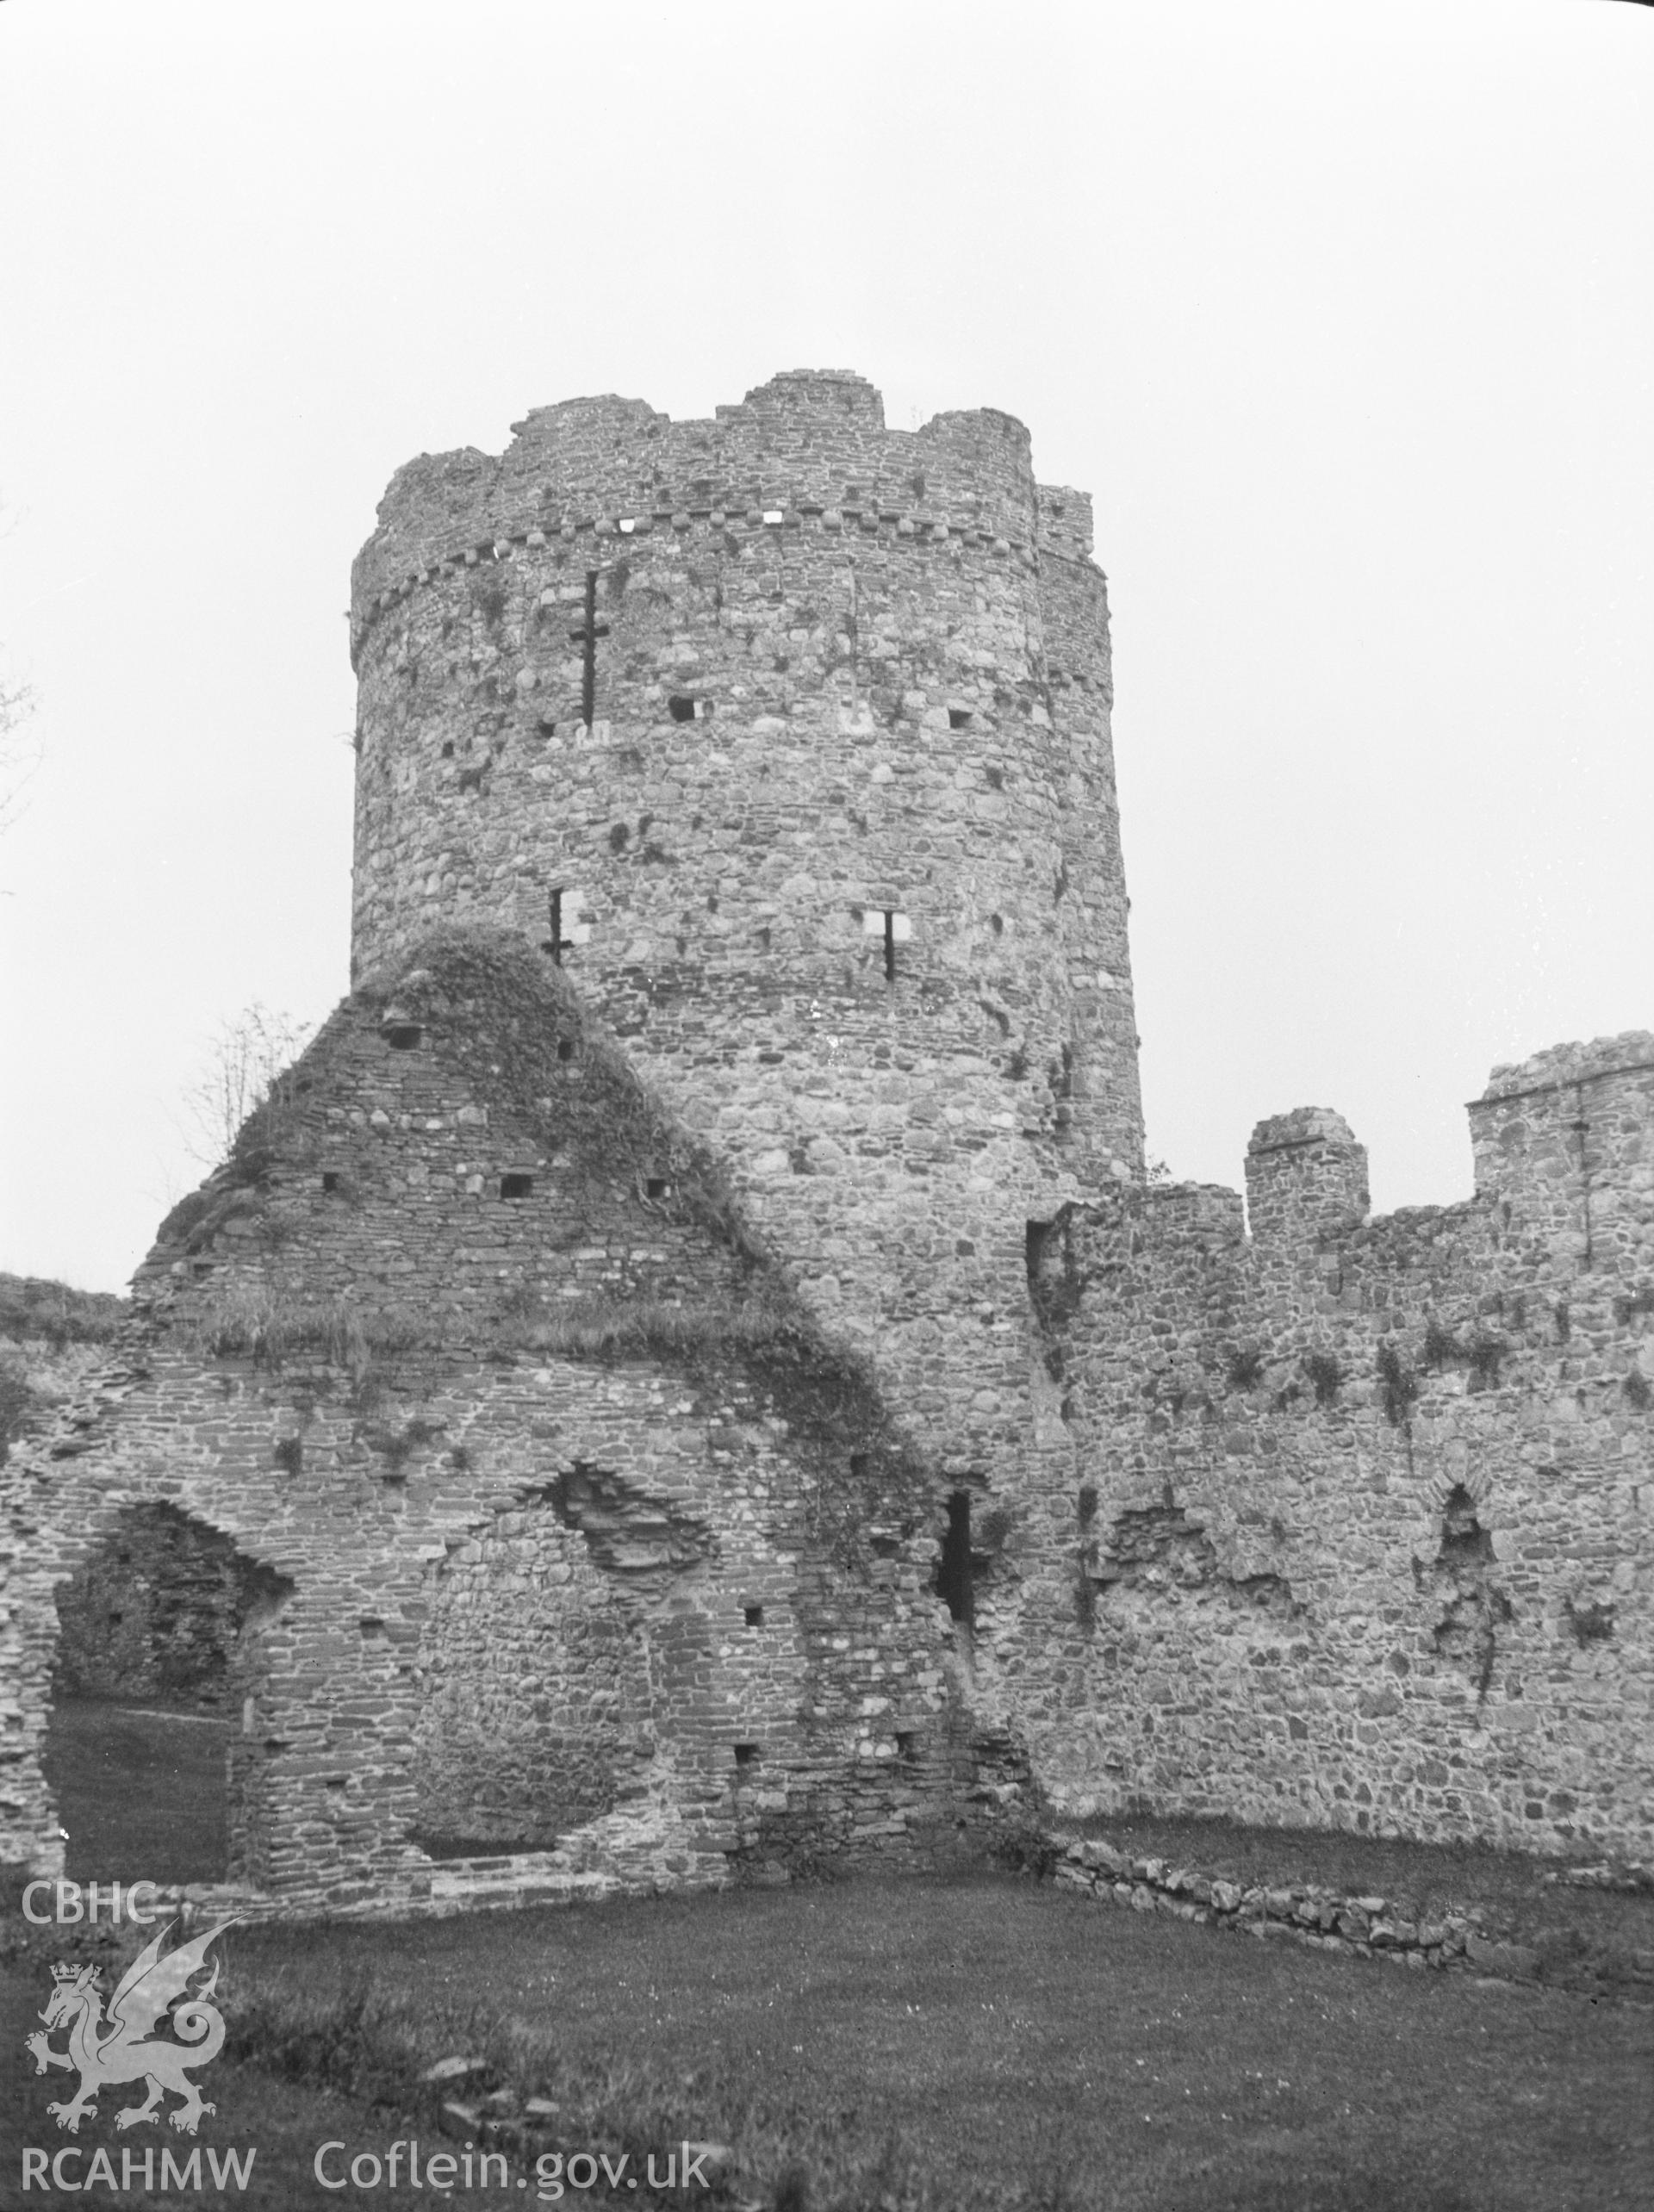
[[589, 1538], [893, 650], [501, 1598], [1365, 1534]]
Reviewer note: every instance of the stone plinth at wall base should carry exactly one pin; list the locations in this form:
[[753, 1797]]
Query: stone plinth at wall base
[[1359, 1927], [435, 1889]]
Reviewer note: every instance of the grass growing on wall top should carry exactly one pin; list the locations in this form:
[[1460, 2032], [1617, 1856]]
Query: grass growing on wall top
[[271, 1325], [597, 1327], [31, 1307], [491, 1008]]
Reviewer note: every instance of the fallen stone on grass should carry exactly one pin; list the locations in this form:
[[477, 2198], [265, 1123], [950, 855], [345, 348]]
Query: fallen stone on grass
[[454, 2069], [1634, 1876]]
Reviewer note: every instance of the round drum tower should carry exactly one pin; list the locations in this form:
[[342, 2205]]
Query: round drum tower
[[788, 735]]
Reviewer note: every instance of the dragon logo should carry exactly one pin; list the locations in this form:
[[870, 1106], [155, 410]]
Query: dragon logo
[[125, 2049]]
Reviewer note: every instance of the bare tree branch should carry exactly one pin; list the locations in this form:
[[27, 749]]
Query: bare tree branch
[[249, 1053]]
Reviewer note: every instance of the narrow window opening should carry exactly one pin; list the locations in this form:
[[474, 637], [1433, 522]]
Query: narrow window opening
[[516, 1186], [890, 925], [681, 709], [996, 778], [746, 1754], [954, 1570], [1034, 1236], [448, 750], [959, 718], [290, 1454], [996, 924], [753, 1615], [557, 944], [330, 1180], [619, 837], [907, 1746], [587, 636], [860, 1464], [404, 1036], [565, 1049]]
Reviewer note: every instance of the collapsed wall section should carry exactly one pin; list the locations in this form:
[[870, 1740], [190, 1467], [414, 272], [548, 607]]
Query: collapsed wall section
[[591, 1553], [1360, 1532]]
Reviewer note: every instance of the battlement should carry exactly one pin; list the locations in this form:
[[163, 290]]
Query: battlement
[[809, 451], [1562, 1066], [1362, 1537], [1563, 1149], [1306, 1177]]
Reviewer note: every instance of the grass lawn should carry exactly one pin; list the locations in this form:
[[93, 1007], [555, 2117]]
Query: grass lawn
[[977, 2043], [141, 1793]]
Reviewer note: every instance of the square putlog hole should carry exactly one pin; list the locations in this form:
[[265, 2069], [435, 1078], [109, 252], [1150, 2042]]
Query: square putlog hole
[[516, 1186]]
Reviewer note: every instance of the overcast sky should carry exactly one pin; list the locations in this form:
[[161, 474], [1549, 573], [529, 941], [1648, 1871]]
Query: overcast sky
[[1343, 315]]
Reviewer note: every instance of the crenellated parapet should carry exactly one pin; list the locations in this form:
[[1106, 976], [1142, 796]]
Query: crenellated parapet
[[808, 453], [1565, 1156], [1306, 1178], [1363, 1533]]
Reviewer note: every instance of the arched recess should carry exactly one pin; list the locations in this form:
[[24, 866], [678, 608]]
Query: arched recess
[[160, 1643], [539, 1710]]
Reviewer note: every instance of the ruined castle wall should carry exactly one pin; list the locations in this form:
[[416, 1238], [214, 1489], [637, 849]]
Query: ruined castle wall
[[1361, 1528], [540, 1546], [890, 652]]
